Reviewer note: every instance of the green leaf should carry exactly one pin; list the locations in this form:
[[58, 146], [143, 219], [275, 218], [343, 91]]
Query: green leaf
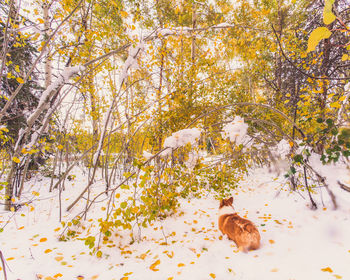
[[346, 153], [328, 16], [316, 36], [298, 158], [329, 122]]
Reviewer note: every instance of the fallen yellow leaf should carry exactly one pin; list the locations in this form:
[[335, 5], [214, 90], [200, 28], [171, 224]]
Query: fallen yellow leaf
[[170, 255], [327, 269], [59, 258], [43, 239], [212, 275], [153, 265], [180, 264]]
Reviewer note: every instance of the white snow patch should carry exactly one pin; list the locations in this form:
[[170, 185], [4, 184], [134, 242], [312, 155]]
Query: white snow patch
[[235, 130], [290, 234], [131, 61], [283, 149], [147, 155], [63, 78], [182, 137]]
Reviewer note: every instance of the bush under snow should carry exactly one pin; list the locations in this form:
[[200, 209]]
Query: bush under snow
[[182, 137], [235, 130]]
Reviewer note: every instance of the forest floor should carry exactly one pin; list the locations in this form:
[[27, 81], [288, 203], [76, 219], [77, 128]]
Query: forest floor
[[297, 243]]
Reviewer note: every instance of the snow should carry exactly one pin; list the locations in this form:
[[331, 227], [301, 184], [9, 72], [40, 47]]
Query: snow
[[235, 130], [297, 243], [147, 155], [131, 61], [166, 32], [192, 160], [223, 25], [63, 78], [179, 139], [283, 149], [182, 137], [66, 74]]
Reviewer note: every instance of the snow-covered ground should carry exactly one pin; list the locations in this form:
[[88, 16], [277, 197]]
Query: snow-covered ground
[[297, 243]]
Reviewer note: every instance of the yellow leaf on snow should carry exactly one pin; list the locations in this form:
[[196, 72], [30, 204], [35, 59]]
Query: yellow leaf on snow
[[57, 275], [337, 276], [47, 251], [327, 269], [153, 265], [59, 258], [212, 275], [43, 239], [170, 255], [180, 265]]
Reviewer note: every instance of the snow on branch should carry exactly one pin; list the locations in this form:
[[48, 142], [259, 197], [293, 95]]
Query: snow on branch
[[180, 139], [131, 61], [223, 25], [44, 102], [235, 130], [283, 149], [64, 77]]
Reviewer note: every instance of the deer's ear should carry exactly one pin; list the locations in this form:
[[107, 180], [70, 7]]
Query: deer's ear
[[230, 200], [222, 203]]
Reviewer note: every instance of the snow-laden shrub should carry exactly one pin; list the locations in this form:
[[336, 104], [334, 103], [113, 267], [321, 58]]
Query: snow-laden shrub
[[235, 130]]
